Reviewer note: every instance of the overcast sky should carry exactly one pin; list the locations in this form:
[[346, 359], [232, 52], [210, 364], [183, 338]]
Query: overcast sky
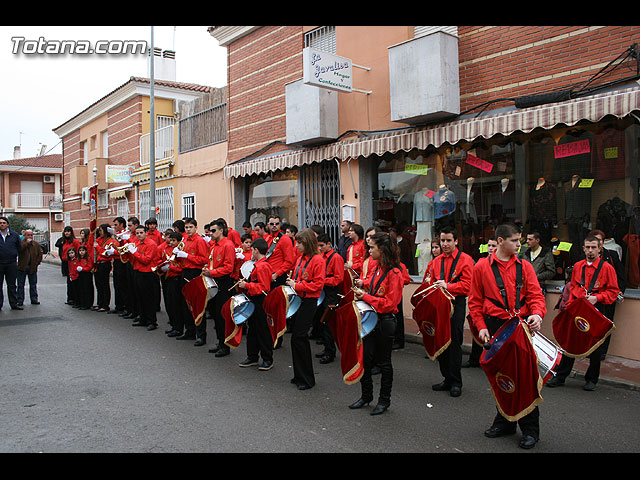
[[41, 91]]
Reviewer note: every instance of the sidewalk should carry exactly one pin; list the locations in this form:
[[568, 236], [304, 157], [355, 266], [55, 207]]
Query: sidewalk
[[616, 371]]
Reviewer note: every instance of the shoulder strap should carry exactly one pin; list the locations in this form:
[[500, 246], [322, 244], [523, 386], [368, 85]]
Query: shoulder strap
[[452, 269], [593, 279], [372, 290], [274, 242], [501, 287]]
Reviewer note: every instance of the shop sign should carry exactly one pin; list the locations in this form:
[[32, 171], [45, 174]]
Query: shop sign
[[322, 69], [416, 169], [573, 148], [118, 173], [479, 163]]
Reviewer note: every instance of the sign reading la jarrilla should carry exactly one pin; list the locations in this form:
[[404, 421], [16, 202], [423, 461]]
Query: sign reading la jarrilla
[[325, 70]]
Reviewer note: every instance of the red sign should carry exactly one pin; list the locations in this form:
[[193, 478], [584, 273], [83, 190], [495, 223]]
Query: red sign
[[479, 163], [573, 148]]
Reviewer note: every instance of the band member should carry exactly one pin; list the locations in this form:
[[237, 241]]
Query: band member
[[129, 236], [103, 243], [220, 267], [593, 278], [143, 257], [280, 254], [259, 340], [196, 255], [73, 296], [489, 310], [69, 241], [383, 291], [172, 287], [155, 235], [84, 267], [307, 280], [334, 267], [476, 349], [453, 271], [121, 289], [356, 251]]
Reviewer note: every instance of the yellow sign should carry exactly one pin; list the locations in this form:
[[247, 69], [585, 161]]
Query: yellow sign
[[564, 246], [416, 169], [586, 183]]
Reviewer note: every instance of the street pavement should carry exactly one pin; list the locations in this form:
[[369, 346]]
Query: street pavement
[[81, 381]]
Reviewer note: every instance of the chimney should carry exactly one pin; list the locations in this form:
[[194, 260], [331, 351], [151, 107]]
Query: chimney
[[164, 65], [16, 152]]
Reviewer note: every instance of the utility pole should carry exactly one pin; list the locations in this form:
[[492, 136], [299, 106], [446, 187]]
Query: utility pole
[[152, 137]]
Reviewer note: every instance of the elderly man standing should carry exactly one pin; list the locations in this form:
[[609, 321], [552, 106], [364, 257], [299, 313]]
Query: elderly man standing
[[9, 248], [29, 258]]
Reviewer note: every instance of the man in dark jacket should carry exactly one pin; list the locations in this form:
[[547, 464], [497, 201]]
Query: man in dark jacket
[[541, 258], [29, 259], [10, 245]]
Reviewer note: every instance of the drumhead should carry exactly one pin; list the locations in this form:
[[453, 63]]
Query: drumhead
[[247, 268]]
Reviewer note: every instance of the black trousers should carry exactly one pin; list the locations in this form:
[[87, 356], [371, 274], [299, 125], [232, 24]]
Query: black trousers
[[187, 318], [85, 289], [300, 348], [148, 296], [103, 289], [529, 424], [377, 352], [450, 361], [259, 340], [215, 308], [73, 291], [134, 300], [174, 301], [9, 274], [331, 298], [121, 289]]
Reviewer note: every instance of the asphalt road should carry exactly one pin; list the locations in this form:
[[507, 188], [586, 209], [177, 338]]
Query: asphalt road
[[79, 381]]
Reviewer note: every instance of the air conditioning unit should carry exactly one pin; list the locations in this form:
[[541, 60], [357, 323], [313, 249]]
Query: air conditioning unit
[[85, 195], [58, 217], [49, 179]]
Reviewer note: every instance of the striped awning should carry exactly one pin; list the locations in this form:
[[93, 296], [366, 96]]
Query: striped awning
[[163, 170], [593, 108]]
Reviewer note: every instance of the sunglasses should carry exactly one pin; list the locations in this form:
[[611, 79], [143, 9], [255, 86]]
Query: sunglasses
[[274, 223]]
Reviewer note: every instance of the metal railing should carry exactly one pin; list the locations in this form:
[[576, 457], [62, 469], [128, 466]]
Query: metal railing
[[51, 201], [163, 145]]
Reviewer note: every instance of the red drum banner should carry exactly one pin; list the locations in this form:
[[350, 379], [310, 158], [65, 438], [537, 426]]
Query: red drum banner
[[511, 366], [196, 295], [580, 328], [345, 327], [232, 331], [276, 305], [433, 316]]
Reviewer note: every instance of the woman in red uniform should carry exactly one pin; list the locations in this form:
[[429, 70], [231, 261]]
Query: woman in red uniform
[[307, 280], [383, 291]]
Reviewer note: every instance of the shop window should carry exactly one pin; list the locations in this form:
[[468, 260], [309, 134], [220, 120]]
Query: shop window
[[273, 193]]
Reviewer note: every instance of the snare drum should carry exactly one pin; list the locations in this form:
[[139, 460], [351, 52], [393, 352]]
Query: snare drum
[[368, 317], [242, 308], [294, 300], [549, 356], [212, 286]]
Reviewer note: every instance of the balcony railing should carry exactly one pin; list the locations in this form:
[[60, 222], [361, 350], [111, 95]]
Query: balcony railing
[[164, 145], [50, 201]]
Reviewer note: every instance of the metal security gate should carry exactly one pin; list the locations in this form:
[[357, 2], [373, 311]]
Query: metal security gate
[[319, 200], [164, 205]]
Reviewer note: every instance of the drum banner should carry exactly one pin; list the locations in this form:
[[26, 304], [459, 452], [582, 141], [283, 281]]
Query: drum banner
[[511, 365], [232, 332], [433, 316], [347, 282], [345, 327], [196, 296], [420, 293], [580, 328], [93, 212], [475, 334], [276, 305]]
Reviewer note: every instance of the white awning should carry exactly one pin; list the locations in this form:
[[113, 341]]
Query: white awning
[[592, 108]]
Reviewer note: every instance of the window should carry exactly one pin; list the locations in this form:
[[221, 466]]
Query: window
[[323, 38], [122, 208], [273, 193], [84, 153], [105, 144], [189, 205], [164, 207]]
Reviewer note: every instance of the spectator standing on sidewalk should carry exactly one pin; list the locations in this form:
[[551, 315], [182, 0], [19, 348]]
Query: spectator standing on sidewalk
[[29, 259], [9, 248]]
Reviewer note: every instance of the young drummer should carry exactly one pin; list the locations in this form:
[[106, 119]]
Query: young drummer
[[172, 286], [143, 257], [307, 280], [259, 340], [489, 312], [383, 291], [103, 266]]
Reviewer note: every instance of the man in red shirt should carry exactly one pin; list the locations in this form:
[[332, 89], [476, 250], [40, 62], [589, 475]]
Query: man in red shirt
[[489, 311], [280, 254], [195, 254], [453, 271], [172, 281], [596, 279], [143, 255], [220, 267], [156, 236]]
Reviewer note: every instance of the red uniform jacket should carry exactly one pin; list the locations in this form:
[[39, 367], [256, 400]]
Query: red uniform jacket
[[156, 236], [69, 244], [368, 267], [385, 297], [73, 269], [606, 286], [103, 244], [260, 278], [484, 288], [458, 281], [198, 251], [334, 270], [234, 236], [145, 257], [309, 274], [222, 258], [355, 255], [283, 257]]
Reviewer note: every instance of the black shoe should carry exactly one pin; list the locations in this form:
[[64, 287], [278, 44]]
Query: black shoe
[[554, 382], [151, 326], [441, 387], [397, 346], [455, 391], [138, 324], [380, 408], [113, 312], [199, 342], [527, 441], [326, 359], [174, 333], [265, 365], [130, 315], [223, 351], [214, 349], [17, 307], [361, 402], [494, 432], [186, 336], [124, 313], [470, 365], [247, 362], [589, 386], [304, 386], [35, 303]]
